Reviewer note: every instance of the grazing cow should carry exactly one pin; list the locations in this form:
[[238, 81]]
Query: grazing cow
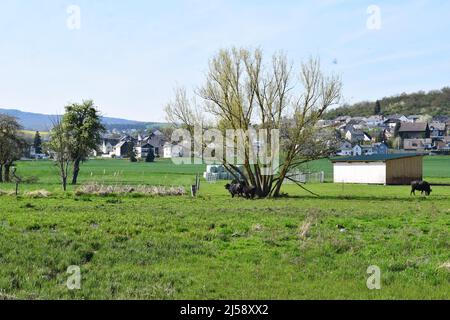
[[249, 192], [422, 186], [235, 189], [241, 189]]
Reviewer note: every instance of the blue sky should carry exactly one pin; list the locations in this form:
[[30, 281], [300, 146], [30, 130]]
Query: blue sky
[[129, 55]]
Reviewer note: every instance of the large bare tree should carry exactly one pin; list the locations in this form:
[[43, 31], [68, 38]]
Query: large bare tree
[[244, 92]]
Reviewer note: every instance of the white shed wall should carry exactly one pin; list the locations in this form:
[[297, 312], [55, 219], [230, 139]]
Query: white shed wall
[[360, 172]]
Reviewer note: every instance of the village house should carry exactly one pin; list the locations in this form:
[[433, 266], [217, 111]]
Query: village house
[[380, 148], [357, 136], [417, 144], [375, 148], [375, 121], [362, 150], [443, 146], [346, 149], [392, 123], [142, 150], [107, 146], [140, 145], [418, 130], [123, 149], [413, 118], [437, 130]]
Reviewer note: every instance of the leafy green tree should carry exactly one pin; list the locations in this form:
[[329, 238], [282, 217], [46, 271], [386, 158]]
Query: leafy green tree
[[11, 145], [60, 145], [84, 126], [150, 156], [37, 142]]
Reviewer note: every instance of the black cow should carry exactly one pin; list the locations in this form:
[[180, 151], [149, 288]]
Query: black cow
[[235, 189], [241, 189], [422, 186], [249, 192]]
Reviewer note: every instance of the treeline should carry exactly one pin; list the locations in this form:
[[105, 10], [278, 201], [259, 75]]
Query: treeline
[[433, 103]]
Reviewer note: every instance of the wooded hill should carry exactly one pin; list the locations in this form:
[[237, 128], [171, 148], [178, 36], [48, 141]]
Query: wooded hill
[[433, 103]]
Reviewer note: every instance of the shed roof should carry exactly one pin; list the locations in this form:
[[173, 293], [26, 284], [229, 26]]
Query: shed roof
[[376, 157]]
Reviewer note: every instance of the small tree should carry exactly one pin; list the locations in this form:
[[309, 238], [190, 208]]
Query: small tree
[[17, 180], [11, 145], [377, 109], [83, 124], [37, 144], [132, 155], [150, 156], [60, 145]]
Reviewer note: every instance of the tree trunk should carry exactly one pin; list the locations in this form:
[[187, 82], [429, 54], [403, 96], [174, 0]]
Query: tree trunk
[[277, 190], [64, 183], [7, 177], [76, 171], [1, 173]]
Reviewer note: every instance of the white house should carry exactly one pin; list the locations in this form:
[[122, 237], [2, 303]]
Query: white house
[[375, 121], [386, 169], [172, 151], [142, 150], [122, 149], [356, 135], [345, 149], [362, 150], [107, 146]]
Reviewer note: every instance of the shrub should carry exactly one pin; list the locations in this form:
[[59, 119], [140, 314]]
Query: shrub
[[104, 190], [38, 194], [31, 180], [150, 156]]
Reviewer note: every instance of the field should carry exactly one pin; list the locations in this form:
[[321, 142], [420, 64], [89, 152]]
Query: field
[[215, 247]]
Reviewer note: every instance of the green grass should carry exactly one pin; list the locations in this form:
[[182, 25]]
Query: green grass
[[215, 247]]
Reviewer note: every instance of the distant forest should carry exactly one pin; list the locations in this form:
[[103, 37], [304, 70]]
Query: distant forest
[[433, 103]]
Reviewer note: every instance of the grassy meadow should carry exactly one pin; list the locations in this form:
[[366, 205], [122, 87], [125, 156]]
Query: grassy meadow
[[215, 247]]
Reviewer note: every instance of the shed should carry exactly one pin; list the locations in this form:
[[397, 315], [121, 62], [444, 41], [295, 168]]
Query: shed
[[386, 169]]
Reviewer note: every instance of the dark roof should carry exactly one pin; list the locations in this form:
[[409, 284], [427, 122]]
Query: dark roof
[[145, 144], [413, 127], [377, 157], [394, 117]]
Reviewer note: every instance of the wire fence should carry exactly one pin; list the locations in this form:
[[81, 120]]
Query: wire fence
[[305, 177]]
